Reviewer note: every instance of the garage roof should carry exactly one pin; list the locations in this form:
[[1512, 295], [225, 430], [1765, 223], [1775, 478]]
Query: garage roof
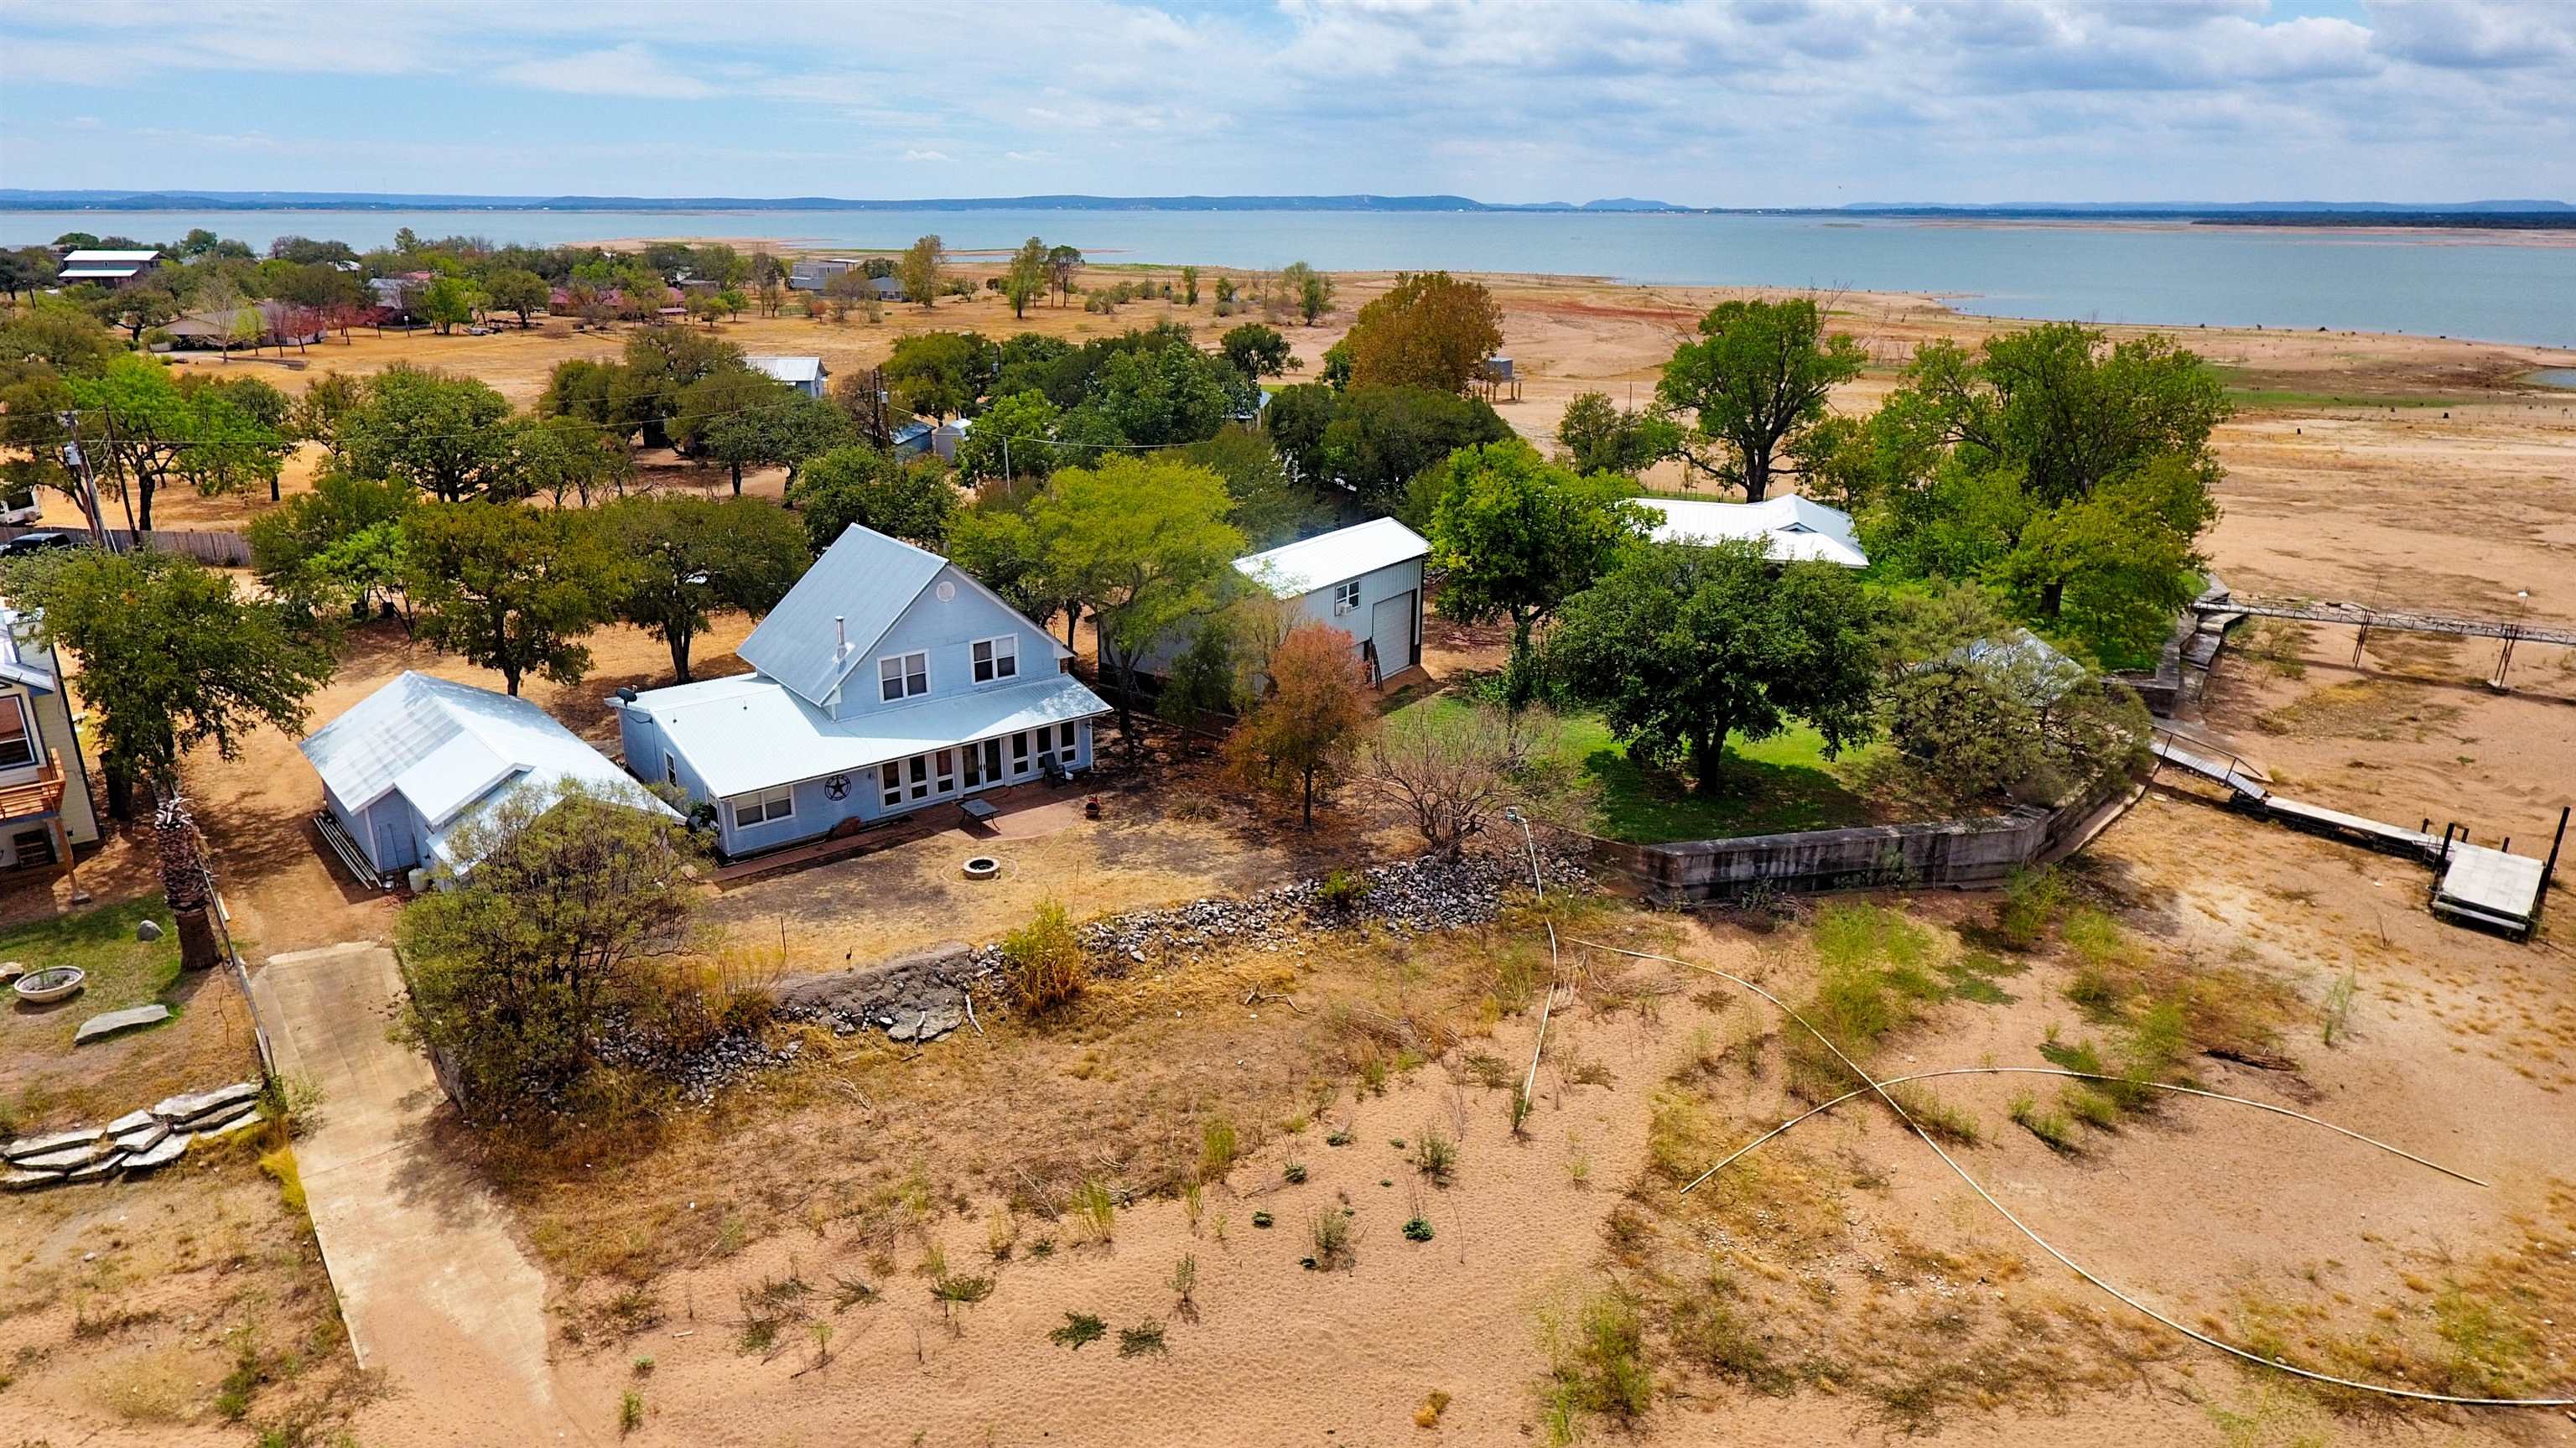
[[1328, 558]]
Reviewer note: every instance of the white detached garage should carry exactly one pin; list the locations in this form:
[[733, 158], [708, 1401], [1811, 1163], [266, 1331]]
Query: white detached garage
[[1364, 580]]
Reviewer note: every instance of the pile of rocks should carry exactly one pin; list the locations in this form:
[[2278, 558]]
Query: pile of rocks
[[139, 1141], [1407, 898], [918, 996], [699, 1069]]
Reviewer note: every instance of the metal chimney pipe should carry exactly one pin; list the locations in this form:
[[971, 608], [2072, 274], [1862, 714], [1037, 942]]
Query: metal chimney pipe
[[840, 638]]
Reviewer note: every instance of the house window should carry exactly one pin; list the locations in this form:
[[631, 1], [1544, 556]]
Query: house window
[[769, 804], [670, 770], [996, 659], [901, 676], [1346, 596], [917, 771], [947, 770], [1064, 740], [17, 746], [890, 782], [1020, 752]]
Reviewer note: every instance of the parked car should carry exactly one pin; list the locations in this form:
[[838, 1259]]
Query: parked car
[[26, 543]]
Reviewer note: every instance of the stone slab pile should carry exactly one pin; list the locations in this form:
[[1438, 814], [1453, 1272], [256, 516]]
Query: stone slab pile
[[138, 1141]]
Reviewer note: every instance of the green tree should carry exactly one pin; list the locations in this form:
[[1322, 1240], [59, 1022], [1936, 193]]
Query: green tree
[[516, 969], [1431, 330], [446, 302], [513, 290], [1519, 536], [324, 407], [693, 555], [939, 374], [732, 417], [1758, 376], [1296, 420], [309, 548], [1306, 290], [1268, 506], [1163, 396], [1381, 437], [1682, 645], [140, 305], [1064, 263], [660, 364], [1189, 286], [919, 269], [171, 656], [1142, 542], [440, 433], [1255, 350], [559, 457], [240, 434], [1599, 436], [1012, 439], [143, 424], [1025, 279], [512, 588], [860, 485]]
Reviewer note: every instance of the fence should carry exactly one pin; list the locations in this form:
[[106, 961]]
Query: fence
[[223, 550], [1981, 851]]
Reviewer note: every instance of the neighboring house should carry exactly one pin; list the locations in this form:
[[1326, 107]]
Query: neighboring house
[[917, 437], [1364, 580], [111, 268], [45, 806], [886, 682], [887, 289], [279, 325], [409, 765], [1798, 528], [805, 374], [811, 273]]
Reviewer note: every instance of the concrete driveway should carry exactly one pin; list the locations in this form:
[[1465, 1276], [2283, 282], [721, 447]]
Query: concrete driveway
[[435, 1292]]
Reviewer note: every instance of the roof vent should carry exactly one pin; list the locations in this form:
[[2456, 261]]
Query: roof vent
[[840, 638]]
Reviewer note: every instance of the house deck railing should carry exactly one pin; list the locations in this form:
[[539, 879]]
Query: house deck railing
[[42, 795]]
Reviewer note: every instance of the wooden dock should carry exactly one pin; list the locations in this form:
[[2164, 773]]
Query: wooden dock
[[2476, 885]]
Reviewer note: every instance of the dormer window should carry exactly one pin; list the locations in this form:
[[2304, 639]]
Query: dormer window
[[997, 659], [902, 676]]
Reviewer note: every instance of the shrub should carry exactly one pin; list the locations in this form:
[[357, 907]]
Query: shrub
[[1145, 1337], [1216, 1149], [1342, 891], [1435, 1156], [2032, 898], [1597, 1364], [1417, 1229], [1293, 1173], [1330, 1234], [1043, 961], [630, 1412], [2050, 1127], [1079, 1328], [1095, 1211]]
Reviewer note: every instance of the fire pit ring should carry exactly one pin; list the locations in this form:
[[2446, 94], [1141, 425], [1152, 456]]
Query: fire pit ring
[[982, 867]]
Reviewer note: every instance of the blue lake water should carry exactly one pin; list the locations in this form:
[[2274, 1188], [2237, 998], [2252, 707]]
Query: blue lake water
[[2506, 290], [2555, 377]]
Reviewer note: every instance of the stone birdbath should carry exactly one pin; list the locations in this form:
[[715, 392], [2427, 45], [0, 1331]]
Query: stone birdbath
[[60, 983]]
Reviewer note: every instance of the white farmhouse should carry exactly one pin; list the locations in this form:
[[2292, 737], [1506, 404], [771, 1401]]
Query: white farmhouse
[[1799, 529]]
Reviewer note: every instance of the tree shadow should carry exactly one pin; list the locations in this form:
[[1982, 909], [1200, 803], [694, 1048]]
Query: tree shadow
[[1753, 797]]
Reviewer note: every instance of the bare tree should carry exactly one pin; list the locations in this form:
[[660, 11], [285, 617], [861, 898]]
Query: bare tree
[[1454, 768]]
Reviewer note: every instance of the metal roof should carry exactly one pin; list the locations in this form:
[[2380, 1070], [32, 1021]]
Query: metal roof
[[865, 580], [445, 746], [94, 254], [748, 732], [1329, 558], [20, 637], [1799, 529], [787, 369]]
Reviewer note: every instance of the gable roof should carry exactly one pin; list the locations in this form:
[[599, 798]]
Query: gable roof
[[866, 580], [1299, 568], [24, 656], [1799, 529], [787, 369], [445, 746]]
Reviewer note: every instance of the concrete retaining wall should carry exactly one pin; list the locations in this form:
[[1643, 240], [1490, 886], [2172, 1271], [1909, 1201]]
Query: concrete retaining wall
[[1978, 851]]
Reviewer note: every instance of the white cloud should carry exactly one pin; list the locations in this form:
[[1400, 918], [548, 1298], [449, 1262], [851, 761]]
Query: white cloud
[[624, 70], [1727, 101]]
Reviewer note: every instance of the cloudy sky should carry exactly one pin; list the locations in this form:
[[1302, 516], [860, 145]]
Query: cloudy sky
[[1710, 102]]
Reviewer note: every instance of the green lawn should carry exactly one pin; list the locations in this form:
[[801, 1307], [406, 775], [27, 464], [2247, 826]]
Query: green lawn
[[123, 971], [1771, 786]]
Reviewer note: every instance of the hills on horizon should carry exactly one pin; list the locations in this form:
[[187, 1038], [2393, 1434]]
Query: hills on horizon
[[32, 199]]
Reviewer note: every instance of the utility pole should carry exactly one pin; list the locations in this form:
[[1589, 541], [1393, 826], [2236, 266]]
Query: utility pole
[[75, 457]]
